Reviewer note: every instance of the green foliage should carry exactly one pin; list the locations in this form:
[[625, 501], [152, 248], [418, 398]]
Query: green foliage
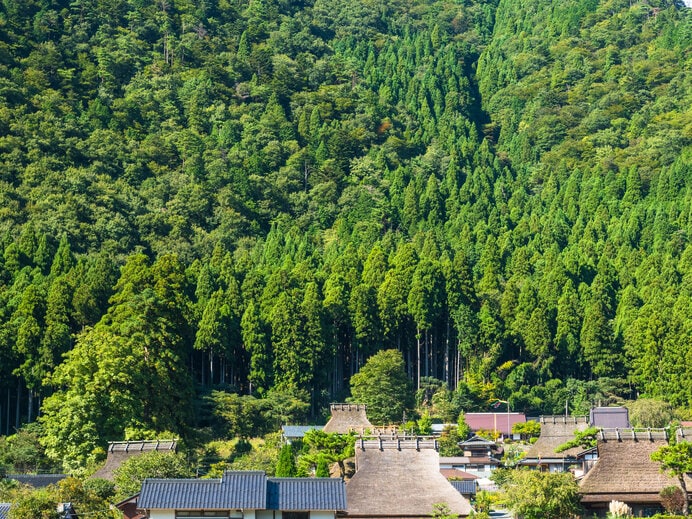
[[498, 191], [327, 448], [442, 511], [449, 442], [22, 452], [676, 460], [585, 439], [286, 466], [129, 476], [542, 495], [383, 386], [672, 500], [649, 412], [527, 430]]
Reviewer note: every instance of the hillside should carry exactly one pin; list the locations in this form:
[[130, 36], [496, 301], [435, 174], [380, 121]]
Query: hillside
[[259, 195]]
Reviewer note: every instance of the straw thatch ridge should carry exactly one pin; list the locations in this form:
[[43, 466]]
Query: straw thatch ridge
[[348, 417], [395, 483], [684, 434], [624, 471], [120, 452], [556, 430], [617, 434]]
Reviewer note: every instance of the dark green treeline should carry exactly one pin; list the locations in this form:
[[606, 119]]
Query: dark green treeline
[[259, 195]]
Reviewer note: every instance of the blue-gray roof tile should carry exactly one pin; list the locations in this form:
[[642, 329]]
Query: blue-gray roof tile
[[4, 510], [237, 490], [466, 487], [298, 431], [306, 494]]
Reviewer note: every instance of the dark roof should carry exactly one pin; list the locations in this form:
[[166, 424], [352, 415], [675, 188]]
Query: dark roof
[[501, 422], [609, 417], [244, 490], [4, 510], [37, 480], [465, 487], [298, 431], [306, 494], [397, 481], [477, 441], [237, 490]]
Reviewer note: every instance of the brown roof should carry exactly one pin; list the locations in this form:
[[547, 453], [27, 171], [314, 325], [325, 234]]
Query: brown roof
[[119, 452], [457, 474], [399, 480], [501, 422], [348, 417], [556, 430], [624, 467]]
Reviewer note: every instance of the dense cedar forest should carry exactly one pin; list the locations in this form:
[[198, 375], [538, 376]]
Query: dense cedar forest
[[257, 195]]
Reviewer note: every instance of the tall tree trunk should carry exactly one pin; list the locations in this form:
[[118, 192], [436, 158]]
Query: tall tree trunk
[[685, 495], [417, 358], [19, 399]]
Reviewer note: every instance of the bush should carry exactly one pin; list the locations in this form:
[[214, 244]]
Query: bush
[[672, 499]]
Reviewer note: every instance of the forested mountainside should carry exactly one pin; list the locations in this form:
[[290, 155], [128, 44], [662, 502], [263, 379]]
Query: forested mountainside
[[258, 195]]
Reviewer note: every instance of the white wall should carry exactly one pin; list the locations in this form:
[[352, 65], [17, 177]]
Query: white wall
[[162, 514]]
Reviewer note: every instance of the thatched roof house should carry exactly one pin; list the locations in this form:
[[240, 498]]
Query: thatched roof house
[[624, 472], [400, 479], [555, 430], [119, 452], [348, 417]]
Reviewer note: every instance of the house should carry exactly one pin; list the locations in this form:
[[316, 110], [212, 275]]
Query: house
[[609, 417], [242, 495], [481, 468], [477, 447], [500, 422], [348, 417], [400, 479], [625, 472], [119, 452], [292, 433], [4, 510], [555, 430], [129, 508]]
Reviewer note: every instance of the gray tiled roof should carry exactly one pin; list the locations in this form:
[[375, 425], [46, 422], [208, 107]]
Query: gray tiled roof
[[467, 487], [4, 510], [298, 431], [37, 480], [306, 494], [237, 490]]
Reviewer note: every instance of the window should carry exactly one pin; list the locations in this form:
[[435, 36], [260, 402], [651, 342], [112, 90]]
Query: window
[[295, 515]]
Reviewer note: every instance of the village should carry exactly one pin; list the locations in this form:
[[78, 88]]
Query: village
[[394, 475]]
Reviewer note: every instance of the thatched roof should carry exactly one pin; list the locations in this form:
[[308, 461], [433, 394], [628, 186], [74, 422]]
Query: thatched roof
[[399, 480], [556, 430], [624, 470], [119, 452], [348, 417]]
